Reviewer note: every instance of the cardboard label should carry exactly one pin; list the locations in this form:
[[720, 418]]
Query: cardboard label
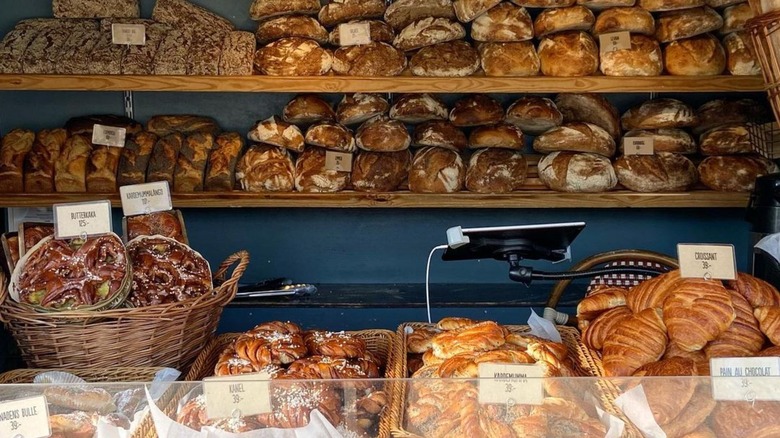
[[638, 145], [82, 219], [514, 384], [247, 394], [145, 198], [27, 418], [714, 261], [745, 378], [610, 42], [338, 161], [109, 136], [128, 34], [354, 34]]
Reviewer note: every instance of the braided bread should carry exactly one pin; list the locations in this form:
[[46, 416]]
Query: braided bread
[[335, 344], [455, 323], [483, 336], [277, 326], [419, 341], [264, 348]]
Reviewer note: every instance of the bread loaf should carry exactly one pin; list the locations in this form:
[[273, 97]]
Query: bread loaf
[[668, 5], [13, 150], [589, 107], [571, 53], [662, 172], [561, 19], [163, 125], [725, 111], [139, 60], [503, 23], [75, 53], [84, 125], [450, 59], [402, 13], [476, 110], [659, 113], [577, 172], [238, 53], [427, 32], [341, 11], [534, 114], [600, 5], [576, 137], [734, 173], [636, 340], [102, 169], [379, 31], [676, 25], [162, 163], [439, 133], [106, 57], [221, 170], [42, 54], [436, 170], [359, 107], [15, 42], [380, 171], [266, 168], [672, 140], [719, 4], [740, 60], [496, 171], [181, 14], [726, 140], [205, 52], [644, 58], [546, 4], [291, 26], [135, 158], [331, 136], [418, 108], [735, 17], [311, 175], [383, 134], [191, 163], [373, 59], [293, 57], [171, 57], [39, 163], [467, 10], [500, 135], [261, 10], [631, 19], [70, 169], [307, 109], [702, 55], [277, 132], [509, 59]]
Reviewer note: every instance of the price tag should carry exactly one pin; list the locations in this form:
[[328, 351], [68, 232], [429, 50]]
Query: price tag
[[145, 198], [513, 384], [338, 161], [745, 378], [715, 262], [638, 145], [128, 34], [354, 34], [247, 394], [109, 136], [82, 219], [611, 42], [27, 417]]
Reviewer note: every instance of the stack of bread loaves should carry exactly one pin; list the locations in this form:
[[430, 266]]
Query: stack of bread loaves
[[565, 47], [740, 55], [504, 34]]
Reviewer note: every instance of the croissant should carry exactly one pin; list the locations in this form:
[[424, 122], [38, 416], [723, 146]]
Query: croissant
[[653, 292], [664, 407], [335, 344], [769, 321], [697, 312], [698, 357], [531, 426], [769, 351], [758, 292], [493, 427], [743, 337], [749, 420], [600, 301], [693, 416], [600, 328], [419, 341], [566, 419], [483, 336], [455, 323], [636, 341]]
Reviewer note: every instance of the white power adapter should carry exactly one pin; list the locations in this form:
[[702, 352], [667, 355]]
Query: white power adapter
[[456, 238]]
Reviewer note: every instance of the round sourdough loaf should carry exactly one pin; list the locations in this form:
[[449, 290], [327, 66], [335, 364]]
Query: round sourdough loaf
[[379, 31], [342, 11], [266, 168], [726, 140], [725, 111], [735, 17], [577, 172], [293, 57], [509, 59], [331, 136], [450, 59], [500, 135], [571, 53], [467, 10], [439, 133], [644, 58], [668, 5], [662, 172], [496, 171], [427, 32], [672, 140], [383, 134], [589, 107], [373, 59], [311, 176], [659, 113], [262, 10], [476, 110], [307, 109], [600, 5], [734, 173], [275, 131], [701, 55], [626, 19], [503, 23], [560, 19], [402, 13], [576, 137], [534, 114], [418, 108], [359, 107], [436, 170], [740, 60], [686, 23], [287, 26], [380, 171]]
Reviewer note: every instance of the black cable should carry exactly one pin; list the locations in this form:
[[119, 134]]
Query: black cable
[[525, 275]]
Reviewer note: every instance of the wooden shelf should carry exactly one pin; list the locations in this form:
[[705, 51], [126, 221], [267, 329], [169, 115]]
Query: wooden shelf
[[399, 84], [349, 199]]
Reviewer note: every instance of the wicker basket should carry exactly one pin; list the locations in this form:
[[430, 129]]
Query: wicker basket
[[168, 335], [766, 45]]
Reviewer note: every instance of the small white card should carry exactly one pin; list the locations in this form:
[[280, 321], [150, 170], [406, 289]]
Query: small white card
[[514, 384], [27, 417], [145, 198], [338, 161], [745, 378], [109, 136], [128, 34], [711, 261], [82, 219], [638, 145], [246, 394], [634, 404], [543, 328], [354, 34], [610, 42]]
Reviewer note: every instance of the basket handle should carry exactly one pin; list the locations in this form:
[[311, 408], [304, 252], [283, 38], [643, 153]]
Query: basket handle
[[231, 284]]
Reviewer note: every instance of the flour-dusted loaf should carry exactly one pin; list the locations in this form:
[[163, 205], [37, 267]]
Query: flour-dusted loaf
[[467, 10], [293, 57], [735, 18], [734, 173], [402, 13], [644, 58], [576, 137], [135, 158], [342, 11], [14, 147], [312, 176], [139, 60], [450, 59], [544, 4], [427, 32], [15, 42], [701, 55], [266, 168], [221, 170], [286, 26], [686, 23], [70, 169], [501, 135], [560, 19], [659, 113], [669, 5], [631, 19], [600, 5], [740, 58], [577, 172], [330, 135], [383, 134], [40, 160], [661, 172], [204, 55], [476, 110], [306, 109], [373, 59], [509, 59], [162, 163], [238, 53], [75, 55], [277, 132], [503, 23], [163, 125], [102, 169], [496, 171], [436, 170], [192, 161], [570, 53], [358, 107], [182, 14], [589, 107], [418, 108], [673, 140], [261, 10], [171, 57], [379, 31], [95, 8], [724, 111], [534, 114], [380, 171], [726, 140], [439, 133]]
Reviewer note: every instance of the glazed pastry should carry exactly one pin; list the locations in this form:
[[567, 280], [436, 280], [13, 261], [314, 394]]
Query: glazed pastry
[[163, 223], [335, 344]]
